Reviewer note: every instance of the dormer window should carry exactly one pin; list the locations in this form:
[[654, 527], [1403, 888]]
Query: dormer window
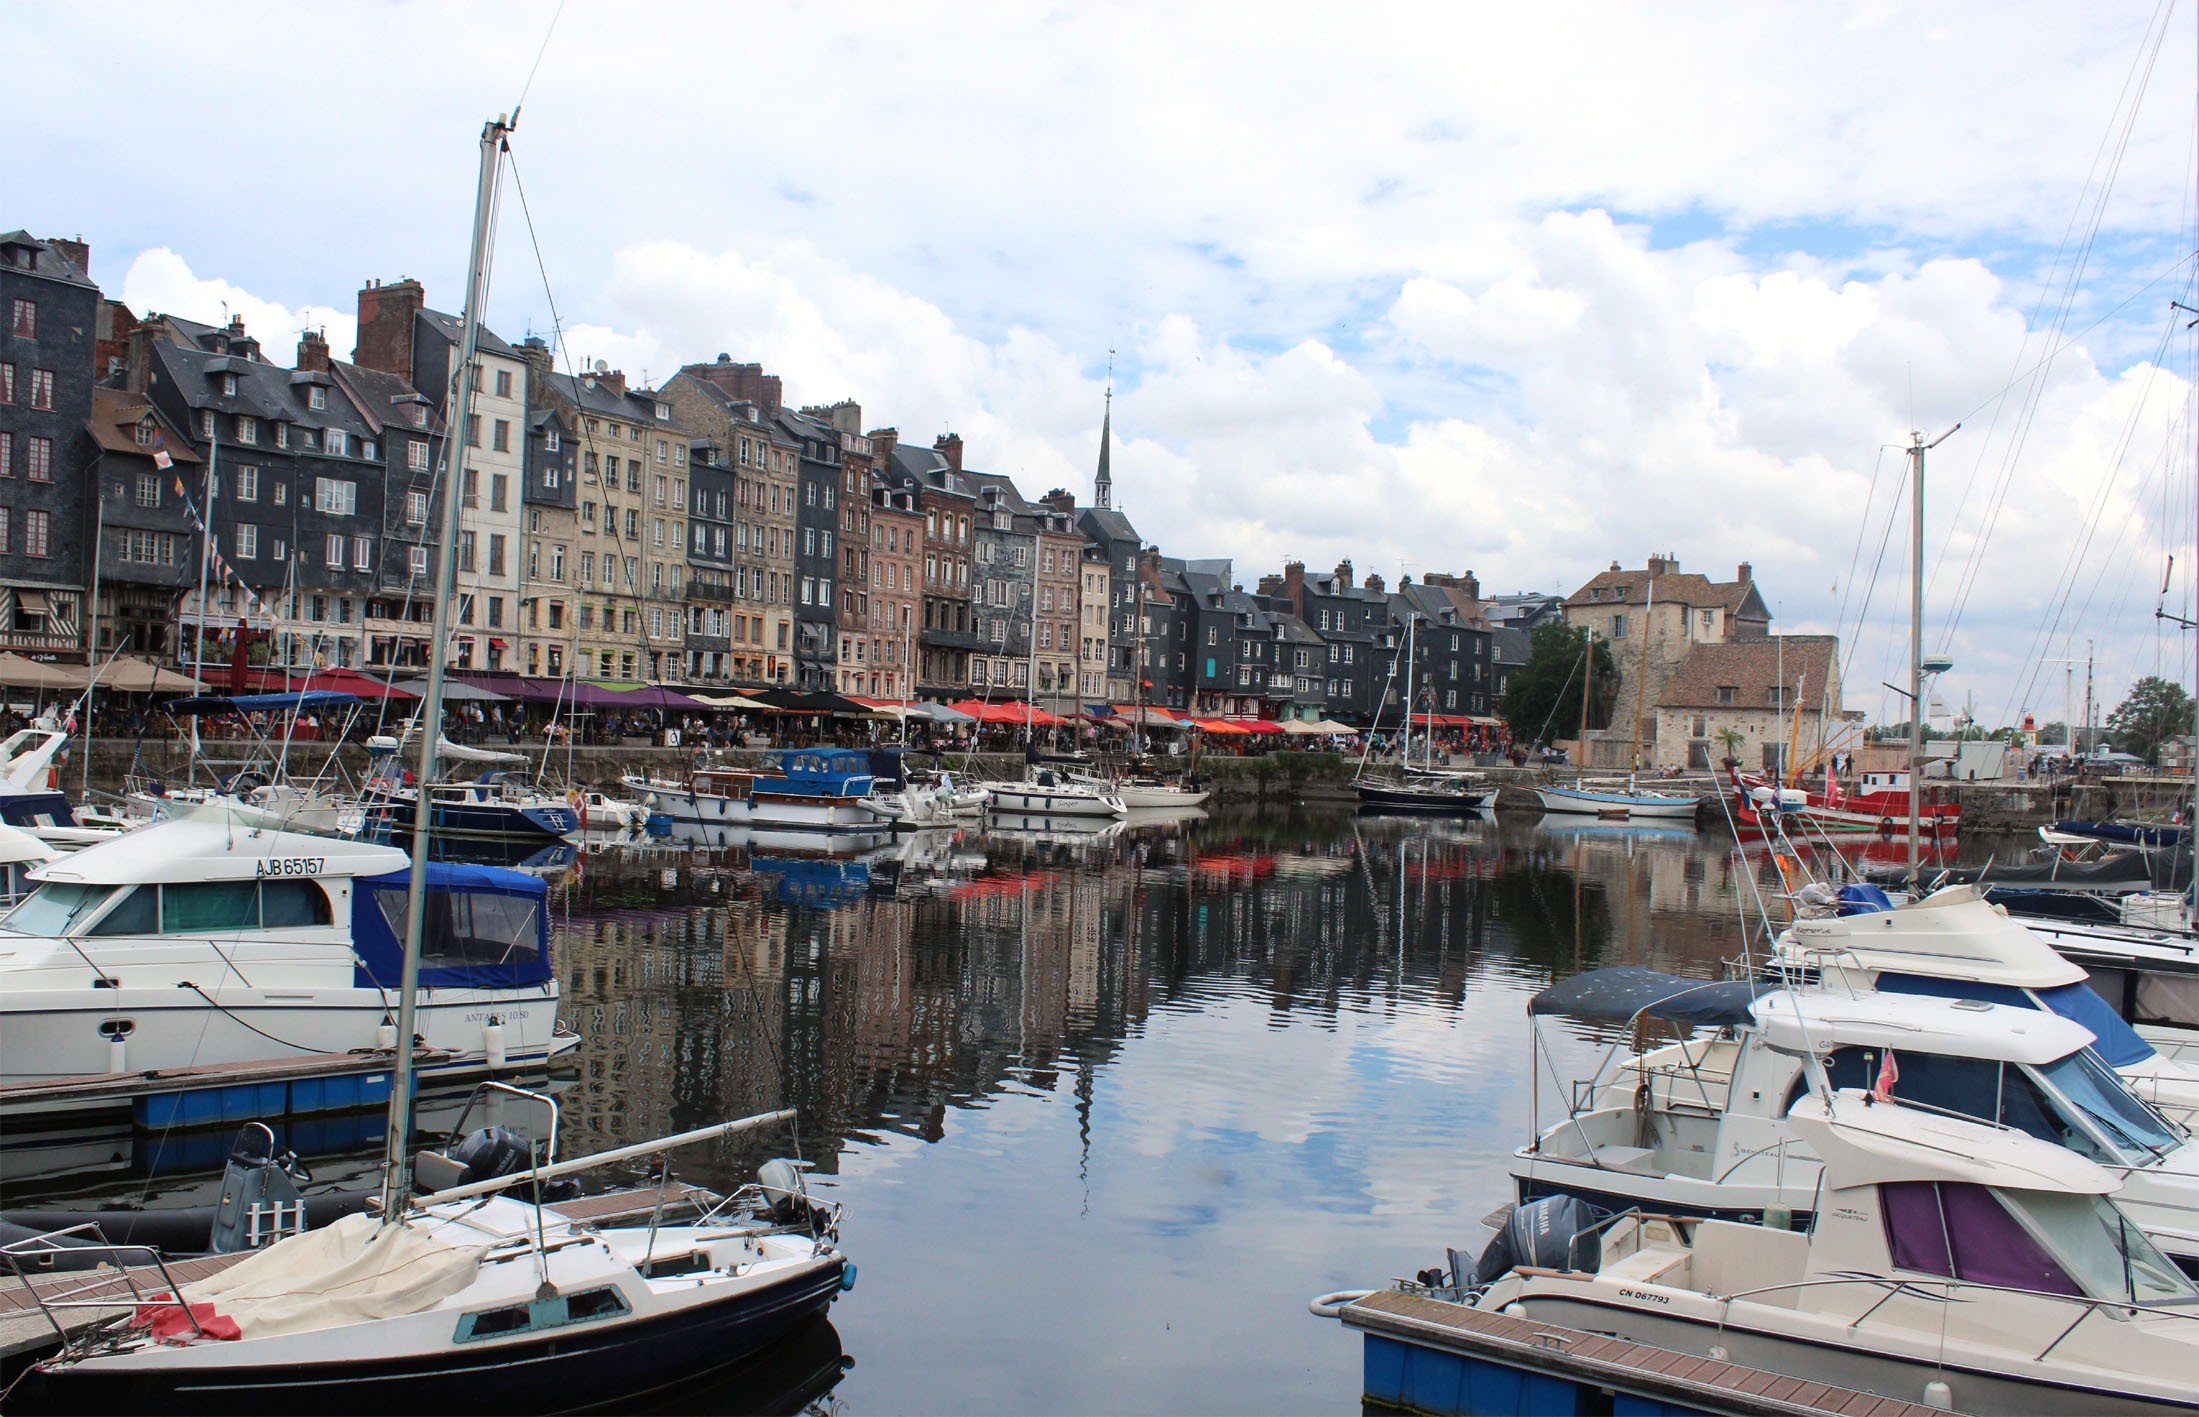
[[335, 442], [282, 435], [1595, 593], [248, 429], [147, 431], [1726, 693], [316, 397], [664, 413], [419, 415], [229, 385], [206, 425], [549, 440]]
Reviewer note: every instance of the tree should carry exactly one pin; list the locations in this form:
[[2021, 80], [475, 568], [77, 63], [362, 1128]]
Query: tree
[[2156, 710], [1542, 700]]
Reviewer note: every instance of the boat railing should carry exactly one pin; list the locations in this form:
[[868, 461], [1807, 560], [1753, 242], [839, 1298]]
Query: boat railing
[[1944, 1289], [112, 1278]]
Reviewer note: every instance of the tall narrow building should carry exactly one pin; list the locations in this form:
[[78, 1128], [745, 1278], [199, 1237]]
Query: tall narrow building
[[1111, 532]]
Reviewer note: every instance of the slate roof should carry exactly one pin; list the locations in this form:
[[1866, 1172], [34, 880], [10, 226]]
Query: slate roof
[[1106, 524], [263, 391], [450, 327], [378, 395], [1508, 645], [115, 416], [52, 265], [1753, 669]]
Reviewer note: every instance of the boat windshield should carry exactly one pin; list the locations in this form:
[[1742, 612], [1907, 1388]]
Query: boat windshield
[[2101, 1248], [54, 908], [2132, 1130]]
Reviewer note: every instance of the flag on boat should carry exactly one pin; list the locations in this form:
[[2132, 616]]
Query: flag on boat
[[1889, 1073]]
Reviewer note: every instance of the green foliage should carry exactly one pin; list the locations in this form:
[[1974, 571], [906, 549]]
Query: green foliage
[[1543, 698], [2155, 710]]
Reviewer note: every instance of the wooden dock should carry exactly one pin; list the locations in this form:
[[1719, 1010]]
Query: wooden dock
[[1426, 1355], [216, 1094]]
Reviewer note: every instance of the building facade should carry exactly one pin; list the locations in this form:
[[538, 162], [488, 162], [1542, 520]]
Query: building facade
[[51, 311]]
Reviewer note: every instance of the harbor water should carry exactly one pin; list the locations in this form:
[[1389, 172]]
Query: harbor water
[[1105, 1106]]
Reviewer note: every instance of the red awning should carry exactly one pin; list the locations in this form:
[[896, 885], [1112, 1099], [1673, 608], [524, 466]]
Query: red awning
[[498, 644], [1255, 725], [1218, 725], [1007, 714]]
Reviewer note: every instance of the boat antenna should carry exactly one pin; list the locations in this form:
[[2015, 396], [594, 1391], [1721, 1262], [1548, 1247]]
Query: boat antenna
[[397, 1163]]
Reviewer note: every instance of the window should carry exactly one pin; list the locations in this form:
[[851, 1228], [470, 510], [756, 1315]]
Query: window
[[206, 425], [416, 505], [664, 451], [37, 531], [335, 552], [248, 429], [334, 442], [465, 551], [1725, 693], [496, 553], [148, 489], [362, 554], [282, 494], [417, 557], [503, 383], [336, 497], [7, 383], [7, 454], [4, 529], [549, 439], [41, 462], [499, 492], [501, 436], [25, 319], [416, 454], [473, 430], [248, 542], [247, 488], [42, 389]]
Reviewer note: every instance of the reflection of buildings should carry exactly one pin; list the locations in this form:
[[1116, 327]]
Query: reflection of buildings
[[707, 991]]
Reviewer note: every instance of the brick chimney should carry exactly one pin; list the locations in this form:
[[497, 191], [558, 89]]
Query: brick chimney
[[76, 249], [1747, 574], [1662, 566], [950, 444], [1271, 585], [1471, 584], [1343, 575], [534, 351], [1375, 584], [884, 441], [1294, 586], [615, 381], [313, 351], [386, 315], [138, 356], [1060, 499]]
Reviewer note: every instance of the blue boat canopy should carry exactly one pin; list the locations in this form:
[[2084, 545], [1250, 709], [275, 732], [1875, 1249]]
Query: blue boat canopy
[[1618, 994], [485, 928], [202, 704]]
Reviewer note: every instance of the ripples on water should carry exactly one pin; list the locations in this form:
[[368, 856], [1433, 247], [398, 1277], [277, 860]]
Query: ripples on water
[[1105, 1111]]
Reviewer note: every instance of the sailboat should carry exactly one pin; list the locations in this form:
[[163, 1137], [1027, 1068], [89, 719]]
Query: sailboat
[[1622, 798], [1420, 789], [482, 1294]]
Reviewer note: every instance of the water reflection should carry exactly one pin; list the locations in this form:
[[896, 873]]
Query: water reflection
[[1107, 1101]]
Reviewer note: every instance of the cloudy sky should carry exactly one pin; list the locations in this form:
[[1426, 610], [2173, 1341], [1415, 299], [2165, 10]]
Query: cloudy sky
[[1515, 289]]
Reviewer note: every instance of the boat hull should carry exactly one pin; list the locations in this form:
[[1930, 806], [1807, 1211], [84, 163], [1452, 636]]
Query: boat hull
[[1031, 800], [1635, 806], [1135, 797], [1406, 799], [573, 1370]]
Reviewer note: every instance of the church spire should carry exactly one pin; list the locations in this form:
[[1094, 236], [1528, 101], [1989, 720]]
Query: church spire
[[1103, 485]]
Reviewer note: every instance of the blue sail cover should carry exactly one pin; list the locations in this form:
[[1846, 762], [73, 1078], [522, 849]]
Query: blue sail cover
[[1617, 994], [484, 928]]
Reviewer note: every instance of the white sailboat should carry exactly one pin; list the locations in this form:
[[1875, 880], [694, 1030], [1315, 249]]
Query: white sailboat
[[1622, 798]]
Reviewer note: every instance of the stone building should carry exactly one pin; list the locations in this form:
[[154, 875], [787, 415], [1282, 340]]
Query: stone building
[[146, 555], [1781, 694], [736, 406], [896, 561], [551, 498], [1653, 619], [710, 478]]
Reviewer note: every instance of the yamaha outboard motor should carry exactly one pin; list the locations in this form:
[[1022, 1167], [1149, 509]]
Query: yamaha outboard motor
[[1556, 1232], [259, 1203], [490, 1152]]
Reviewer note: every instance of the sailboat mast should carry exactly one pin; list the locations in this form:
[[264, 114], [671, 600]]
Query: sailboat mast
[[1916, 645], [1588, 675], [1641, 680], [397, 1166]]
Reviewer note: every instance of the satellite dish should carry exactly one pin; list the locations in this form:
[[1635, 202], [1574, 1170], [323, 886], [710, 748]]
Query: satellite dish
[[602, 368]]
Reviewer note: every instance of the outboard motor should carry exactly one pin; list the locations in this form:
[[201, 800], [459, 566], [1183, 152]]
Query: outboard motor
[[259, 1203], [490, 1152], [785, 1196], [1556, 1232]]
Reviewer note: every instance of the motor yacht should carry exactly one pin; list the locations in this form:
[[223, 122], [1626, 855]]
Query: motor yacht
[[1700, 1126], [217, 939], [1954, 1263]]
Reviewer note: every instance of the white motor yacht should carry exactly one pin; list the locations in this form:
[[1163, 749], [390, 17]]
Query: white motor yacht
[[1700, 1126], [217, 939], [1955, 1264], [1955, 944]]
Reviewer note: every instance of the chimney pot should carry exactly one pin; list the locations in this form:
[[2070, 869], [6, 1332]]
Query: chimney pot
[[1748, 573]]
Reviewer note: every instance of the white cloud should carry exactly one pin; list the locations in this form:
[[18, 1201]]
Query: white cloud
[[160, 281]]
